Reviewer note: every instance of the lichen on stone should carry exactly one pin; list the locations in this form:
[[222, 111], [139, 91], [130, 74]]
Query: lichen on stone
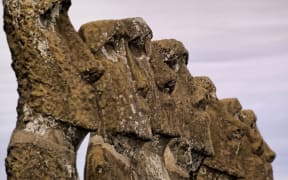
[[149, 118]]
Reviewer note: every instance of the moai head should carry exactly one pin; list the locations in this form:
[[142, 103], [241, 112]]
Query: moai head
[[258, 156], [51, 62], [124, 48], [176, 85], [164, 120], [227, 132], [124, 94]]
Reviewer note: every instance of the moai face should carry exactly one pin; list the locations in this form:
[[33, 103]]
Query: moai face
[[176, 85], [180, 91], [164, 120], [124, 48], [257, 158], [227, 132]]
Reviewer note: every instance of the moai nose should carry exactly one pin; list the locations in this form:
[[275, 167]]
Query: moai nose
[[142, 86], [169, 86], [138, 73], [269, 154]]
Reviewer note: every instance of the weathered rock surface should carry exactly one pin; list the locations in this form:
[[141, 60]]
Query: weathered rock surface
[[56, 107], [149, 118]]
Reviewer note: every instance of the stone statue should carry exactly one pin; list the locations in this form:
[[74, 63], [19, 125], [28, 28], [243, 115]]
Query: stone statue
[[257, 156], [148, 117], [123, 95], [56, 107]]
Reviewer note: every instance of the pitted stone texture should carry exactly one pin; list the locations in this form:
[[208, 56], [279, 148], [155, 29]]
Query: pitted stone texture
[[189, 121], [227, 132], [149, 117], [257, 155], [124, 90], [49, 60], [56, 107]]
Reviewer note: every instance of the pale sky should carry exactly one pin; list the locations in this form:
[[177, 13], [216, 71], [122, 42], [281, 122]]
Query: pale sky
[[242, 45]]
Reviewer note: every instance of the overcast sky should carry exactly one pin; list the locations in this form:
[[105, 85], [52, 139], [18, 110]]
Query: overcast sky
[[241, 44]]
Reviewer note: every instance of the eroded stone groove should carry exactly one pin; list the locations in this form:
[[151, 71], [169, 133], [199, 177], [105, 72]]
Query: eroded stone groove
[[148, 117]]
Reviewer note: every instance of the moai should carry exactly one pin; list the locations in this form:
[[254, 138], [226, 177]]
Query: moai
[[126, 101], [257, 155], [184, 155], [149, 118], [187, 115], [227, 132], [56, 106], [163, 123], [123, 89]]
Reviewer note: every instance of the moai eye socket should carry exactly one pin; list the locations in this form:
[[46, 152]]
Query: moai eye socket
[[49, 17], [169, 86], [185, 58], [172, 64], [110, 47], [253, 125], [137, 47]]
